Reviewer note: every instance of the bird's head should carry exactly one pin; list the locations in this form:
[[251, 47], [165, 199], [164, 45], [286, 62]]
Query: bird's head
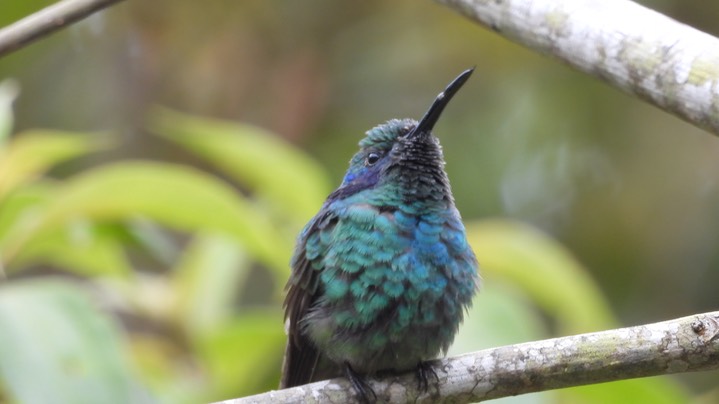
[[401, 161]]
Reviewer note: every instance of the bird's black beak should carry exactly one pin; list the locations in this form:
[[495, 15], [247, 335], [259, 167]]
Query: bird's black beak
[[427, 122]]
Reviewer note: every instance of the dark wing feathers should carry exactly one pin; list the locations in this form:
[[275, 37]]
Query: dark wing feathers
[[301, 356], [300, 294]]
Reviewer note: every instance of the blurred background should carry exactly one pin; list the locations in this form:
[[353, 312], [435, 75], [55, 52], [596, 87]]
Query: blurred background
[[160, 157]]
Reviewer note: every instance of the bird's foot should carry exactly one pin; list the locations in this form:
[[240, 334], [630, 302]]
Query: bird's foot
[[364, 391], [424, 372]]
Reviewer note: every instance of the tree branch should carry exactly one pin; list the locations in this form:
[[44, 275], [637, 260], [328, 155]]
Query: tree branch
[[46, 21], [683, 345], [638, 50]]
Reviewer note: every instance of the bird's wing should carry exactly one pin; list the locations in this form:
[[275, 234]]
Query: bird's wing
[[301, 356]]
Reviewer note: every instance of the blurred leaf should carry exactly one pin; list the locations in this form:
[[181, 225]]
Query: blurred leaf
[[550, 275], [154, 240], [55, 347], [83, 248], [207, 279], [176, 196], [146, 295], [169, 371], [274, 169], [244, 356], [33, 152], [544, 269], [18, 207], [655, 390], [8, 92], [501, 315]]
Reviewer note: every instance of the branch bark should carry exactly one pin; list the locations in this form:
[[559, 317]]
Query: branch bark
[[46, 21], [637, 50], [682, 345]]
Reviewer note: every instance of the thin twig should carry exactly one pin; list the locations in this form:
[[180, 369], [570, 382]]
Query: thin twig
[[638, 50], [683, 345], [46, 21]]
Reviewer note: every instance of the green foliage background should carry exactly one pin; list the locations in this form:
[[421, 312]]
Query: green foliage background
[[143, 250]]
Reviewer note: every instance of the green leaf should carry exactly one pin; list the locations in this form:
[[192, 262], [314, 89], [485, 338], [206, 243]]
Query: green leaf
[[153, 239], [81, 247], [244, 356], [547, 273], [500, 315], [33, 152], [175, 196], [55, 347], [544, 269], [655, 390], [275, 170], [206, 281], [18, 207], [164, 369]]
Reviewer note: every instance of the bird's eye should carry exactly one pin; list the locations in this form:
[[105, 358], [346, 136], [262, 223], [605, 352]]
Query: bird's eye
[[372, 158]]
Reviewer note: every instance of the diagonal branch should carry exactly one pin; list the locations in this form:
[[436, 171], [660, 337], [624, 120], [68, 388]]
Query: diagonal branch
[[637, 50], [683, 345], [46, 21]]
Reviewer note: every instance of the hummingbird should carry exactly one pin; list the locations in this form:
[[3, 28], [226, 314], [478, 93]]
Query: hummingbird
[[382, 274]]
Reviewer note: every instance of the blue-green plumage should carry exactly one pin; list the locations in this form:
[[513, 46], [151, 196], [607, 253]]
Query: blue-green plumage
[[381, 276]]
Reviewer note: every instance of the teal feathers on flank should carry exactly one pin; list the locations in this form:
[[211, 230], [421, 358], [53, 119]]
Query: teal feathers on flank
[[382, 275]]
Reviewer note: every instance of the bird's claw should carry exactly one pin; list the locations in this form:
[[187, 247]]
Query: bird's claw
[[364, 391], [425, 371]]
